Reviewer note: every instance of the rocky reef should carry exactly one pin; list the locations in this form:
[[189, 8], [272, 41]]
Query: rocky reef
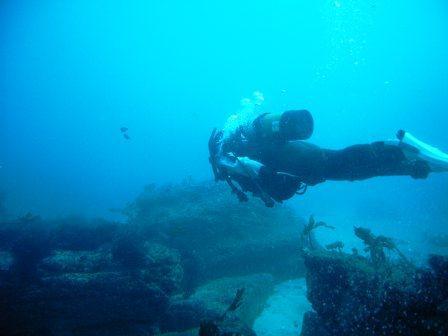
[[204, 220], [211, 300], [374, 295], [174, 266], [191, 260]]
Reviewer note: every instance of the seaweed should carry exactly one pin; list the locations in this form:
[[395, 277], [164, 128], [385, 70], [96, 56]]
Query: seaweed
[[227, 325], [375, 245], [307, 232], [236, 303]]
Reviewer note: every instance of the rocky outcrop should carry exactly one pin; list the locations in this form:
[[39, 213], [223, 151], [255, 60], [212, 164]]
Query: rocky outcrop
[[350, 296], [210, 301], [179, 258], [66, 261], [217, 235], [228, 327], [86, 292]]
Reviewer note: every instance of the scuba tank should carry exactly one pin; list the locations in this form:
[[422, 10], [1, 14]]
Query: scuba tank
[[271, 186], [287, 126]]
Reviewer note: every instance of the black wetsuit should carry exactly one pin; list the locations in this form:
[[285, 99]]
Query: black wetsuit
[[312, 164]]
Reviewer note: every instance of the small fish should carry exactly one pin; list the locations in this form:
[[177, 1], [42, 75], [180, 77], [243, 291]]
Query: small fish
[[126, 136], [123, 129]]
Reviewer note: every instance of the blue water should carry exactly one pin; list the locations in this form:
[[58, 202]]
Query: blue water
[[73, 73]]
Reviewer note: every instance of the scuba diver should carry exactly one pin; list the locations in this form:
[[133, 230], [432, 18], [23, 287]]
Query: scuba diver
[[269, 158]]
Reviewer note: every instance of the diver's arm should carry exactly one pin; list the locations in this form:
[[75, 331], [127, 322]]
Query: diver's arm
[[242, 166]]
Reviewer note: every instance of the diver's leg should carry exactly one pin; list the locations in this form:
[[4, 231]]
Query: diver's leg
[[301, 159], [406, 156], [361, 162]]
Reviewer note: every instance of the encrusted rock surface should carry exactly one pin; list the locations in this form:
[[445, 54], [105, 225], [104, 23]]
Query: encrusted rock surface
[[82, 291], [350, 296], [209, 302], [179, 258], [217, 235]]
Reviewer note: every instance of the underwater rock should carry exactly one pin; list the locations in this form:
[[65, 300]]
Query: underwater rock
[[77, 233], [204, 220], [90, 302], [312, 325], [6, 261], [128, 251], [439, 264], [86, 292], [350, 296], [104, 296], [30, 239], [3, 211], [229, 327], [65, 261], [192, 332], [211, 300], [28, 249], [160, 265], [229, 323], [163, 266], [158, 270]]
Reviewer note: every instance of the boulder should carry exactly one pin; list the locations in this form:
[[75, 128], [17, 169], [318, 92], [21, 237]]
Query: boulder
[[163, 266], [211, 300], [230, 326], [66, 261], [217, 235], [86, 292], [192, 332], [352, 297], [83, 301], [313, 325], [6, 261]]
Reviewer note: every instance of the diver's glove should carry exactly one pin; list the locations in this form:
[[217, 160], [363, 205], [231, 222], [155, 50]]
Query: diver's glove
[[242, 166]]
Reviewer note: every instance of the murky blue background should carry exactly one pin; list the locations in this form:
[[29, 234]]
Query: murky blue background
[[73, 72]]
